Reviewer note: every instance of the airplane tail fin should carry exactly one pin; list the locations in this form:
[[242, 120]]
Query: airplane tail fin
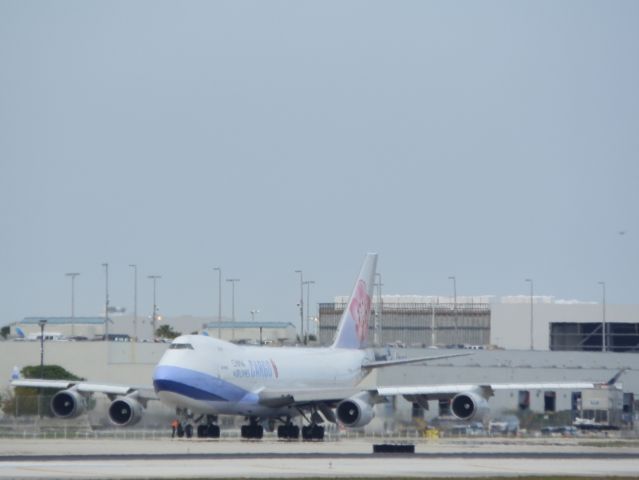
[[352, 330], [20, 332]]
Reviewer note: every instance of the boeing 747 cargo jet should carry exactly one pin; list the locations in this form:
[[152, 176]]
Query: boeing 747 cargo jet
[[203, 377]]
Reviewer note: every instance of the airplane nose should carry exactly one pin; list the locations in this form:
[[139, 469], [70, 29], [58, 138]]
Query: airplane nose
[[162, 378]]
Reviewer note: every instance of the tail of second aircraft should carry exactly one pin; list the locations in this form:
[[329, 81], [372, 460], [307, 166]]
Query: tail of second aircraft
[[352, 330]]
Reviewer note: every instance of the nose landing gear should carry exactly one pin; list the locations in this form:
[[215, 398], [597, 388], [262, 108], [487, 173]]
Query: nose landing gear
[[209, 429]]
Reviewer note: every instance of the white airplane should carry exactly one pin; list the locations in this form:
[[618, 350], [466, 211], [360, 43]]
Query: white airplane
[[32, 337], [203, 377]]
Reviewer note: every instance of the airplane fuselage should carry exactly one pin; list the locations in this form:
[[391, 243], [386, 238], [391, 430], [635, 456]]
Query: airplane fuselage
[[211, 376]]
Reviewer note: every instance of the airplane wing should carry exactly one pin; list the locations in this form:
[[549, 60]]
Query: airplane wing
[[488, 389], [302, 397], [404, 361], [142, 393], [281, 398]]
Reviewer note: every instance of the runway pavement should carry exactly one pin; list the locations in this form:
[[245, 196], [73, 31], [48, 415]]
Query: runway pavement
[[228, 459]]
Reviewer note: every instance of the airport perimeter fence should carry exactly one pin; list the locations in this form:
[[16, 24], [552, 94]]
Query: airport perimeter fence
[[34, 431], [164, 434]]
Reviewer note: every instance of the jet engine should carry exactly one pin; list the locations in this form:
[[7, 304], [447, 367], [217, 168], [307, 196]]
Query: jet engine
[[125, 411], [469, 406], [355, 411], [68, 404]]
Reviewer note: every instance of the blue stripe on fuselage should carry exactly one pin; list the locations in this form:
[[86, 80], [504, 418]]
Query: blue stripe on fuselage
[[197, 385]]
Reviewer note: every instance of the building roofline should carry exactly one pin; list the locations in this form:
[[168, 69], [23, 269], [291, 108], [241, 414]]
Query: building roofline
[[271, 325], [62, 320]]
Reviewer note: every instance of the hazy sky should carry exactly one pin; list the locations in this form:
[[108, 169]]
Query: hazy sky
[[492, 141]]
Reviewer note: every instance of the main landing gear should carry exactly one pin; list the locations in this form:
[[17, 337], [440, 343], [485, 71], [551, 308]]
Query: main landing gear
[[252, 430], [313, 432], [209, 429], [288, 431]]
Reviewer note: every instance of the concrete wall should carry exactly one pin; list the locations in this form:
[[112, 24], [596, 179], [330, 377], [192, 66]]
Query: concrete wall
[[108, 362]]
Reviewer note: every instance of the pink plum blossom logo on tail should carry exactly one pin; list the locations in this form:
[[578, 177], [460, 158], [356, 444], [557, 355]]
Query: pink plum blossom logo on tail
[[360, 310]]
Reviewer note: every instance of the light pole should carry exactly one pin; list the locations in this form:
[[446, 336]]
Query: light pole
[[253, 313], [72, 275], [219, 301], [308, 284], [42, 322], [452, 277], [135, 301], [106, 302], [532, 344], [154, 319], [604, 343], [232, 281], [301, 301]]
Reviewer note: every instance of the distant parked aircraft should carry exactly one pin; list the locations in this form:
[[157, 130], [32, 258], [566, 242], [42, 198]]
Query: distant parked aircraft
[[32, 337]]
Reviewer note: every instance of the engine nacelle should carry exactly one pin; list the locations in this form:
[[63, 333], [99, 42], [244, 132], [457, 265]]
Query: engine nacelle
[[68, 404], [125, 411], [469, 406], [355, 412]]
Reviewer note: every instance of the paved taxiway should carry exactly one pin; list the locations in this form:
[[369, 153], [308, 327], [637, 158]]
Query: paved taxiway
[[209, 459]]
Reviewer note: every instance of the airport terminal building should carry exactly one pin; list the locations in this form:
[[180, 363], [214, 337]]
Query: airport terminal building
[[509, 323]]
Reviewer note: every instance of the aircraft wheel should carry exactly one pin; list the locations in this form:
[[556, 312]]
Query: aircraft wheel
[[312, 432], [252, 431], [188, 430], [288, 431], [202, 431], [213, 431], [180, 430]]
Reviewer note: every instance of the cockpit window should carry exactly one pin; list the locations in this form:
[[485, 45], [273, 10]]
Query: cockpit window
[[181, 346]]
